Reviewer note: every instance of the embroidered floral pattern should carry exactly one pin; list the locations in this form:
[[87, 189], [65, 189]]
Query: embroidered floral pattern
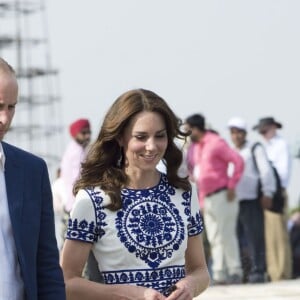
[[150, 230], [150, 225], [195, 222], [158, 279], [83, 230]]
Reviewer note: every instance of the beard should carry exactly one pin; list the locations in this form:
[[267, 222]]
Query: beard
[[194, 138], [83, 142]]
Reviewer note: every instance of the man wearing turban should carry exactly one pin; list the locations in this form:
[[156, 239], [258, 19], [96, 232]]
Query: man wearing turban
[[75, 153]]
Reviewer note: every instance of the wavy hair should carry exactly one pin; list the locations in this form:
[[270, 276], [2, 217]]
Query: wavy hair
[[102, 166]]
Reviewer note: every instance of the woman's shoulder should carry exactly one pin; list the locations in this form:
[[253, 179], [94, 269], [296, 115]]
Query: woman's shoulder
[[93, 194]]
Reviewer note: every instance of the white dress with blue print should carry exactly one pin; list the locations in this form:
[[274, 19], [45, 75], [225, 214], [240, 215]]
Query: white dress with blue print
[[143, 243]]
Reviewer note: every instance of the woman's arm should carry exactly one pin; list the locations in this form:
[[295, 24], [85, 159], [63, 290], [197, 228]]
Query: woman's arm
[[74, 257], [197, 277]]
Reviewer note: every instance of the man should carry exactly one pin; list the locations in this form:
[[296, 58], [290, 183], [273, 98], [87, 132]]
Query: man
[[73, 156], [210, 156], [279, 264], [251, 203], [294, 234], [29, 254]]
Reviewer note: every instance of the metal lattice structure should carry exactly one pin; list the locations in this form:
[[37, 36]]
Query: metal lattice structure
[[24, 43]]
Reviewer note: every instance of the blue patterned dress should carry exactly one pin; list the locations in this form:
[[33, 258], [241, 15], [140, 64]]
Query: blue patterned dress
[[143, 243]]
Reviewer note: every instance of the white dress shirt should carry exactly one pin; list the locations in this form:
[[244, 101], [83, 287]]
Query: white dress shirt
[[279, 154], [11, 283], [247, 187]]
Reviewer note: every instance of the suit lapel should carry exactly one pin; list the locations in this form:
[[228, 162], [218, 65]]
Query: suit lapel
[[14, 186]]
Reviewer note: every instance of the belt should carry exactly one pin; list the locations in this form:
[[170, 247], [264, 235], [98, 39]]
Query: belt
[[216, 191]]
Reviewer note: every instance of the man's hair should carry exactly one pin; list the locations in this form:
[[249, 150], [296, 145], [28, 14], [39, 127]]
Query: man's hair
[[197, 121], [6, 67]]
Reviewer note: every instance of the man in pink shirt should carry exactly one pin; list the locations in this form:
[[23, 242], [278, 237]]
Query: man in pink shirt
[[209, 158]]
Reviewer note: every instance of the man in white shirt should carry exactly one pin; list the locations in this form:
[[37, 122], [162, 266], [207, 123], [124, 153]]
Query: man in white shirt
[[279, 258], [251, 203]]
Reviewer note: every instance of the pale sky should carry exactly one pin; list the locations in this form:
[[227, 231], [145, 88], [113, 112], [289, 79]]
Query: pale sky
[[220, 58]]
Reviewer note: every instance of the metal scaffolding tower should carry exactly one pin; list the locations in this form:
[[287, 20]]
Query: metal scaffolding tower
[[24, 43]]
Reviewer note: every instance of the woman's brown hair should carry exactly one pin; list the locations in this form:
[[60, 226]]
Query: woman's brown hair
[[103, 167]]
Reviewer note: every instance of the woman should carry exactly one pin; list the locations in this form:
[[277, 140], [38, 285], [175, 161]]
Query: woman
[[143, 226]]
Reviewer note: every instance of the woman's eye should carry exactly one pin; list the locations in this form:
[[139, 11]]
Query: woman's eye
[[140, 137], [161, 136], [143, 137]]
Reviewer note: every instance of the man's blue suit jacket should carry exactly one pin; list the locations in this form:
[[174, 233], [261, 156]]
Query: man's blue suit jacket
[[31, 213]]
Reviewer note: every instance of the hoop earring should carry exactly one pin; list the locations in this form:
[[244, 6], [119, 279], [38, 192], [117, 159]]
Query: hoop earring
[[120, 159]]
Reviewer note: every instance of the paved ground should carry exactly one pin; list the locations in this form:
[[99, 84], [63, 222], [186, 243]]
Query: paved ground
[[281, 290]]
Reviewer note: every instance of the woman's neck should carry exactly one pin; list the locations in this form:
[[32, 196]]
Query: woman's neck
[[143, 180]]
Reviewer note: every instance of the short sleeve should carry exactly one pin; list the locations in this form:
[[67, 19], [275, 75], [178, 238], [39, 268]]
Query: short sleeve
[[196, 225], [82, 224]]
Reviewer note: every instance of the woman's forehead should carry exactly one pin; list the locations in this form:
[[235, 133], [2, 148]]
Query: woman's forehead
[[146, 120]]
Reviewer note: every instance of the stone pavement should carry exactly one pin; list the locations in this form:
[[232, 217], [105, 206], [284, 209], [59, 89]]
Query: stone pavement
[[280, 290]]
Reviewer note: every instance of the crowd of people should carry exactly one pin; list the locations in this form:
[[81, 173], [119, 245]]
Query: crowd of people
[[155, 208], [245, 206]]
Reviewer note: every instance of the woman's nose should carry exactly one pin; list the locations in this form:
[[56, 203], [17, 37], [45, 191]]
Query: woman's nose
[[150, 145]]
